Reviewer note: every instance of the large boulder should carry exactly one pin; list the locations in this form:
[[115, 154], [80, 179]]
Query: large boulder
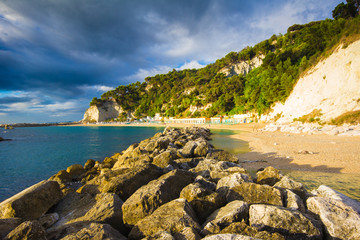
[[202, 198], [223, 217], [296, 187], [164, 159], [84, 230], [224, 156], [186, 163], [217, 169], [189, 148], [48, 220], [255, 193], [229, 236], [33, 202], [95, 231], [29, 230], [268, 176], [62, 177], [292, 200], [187, 233], [340, 220], [75, 171], [244, 229], [126, 183], [172, 217], [103, 208], [159, 143], [201, 149], [157, 192], [326, 192], [163, 235], [291, 223], [233, 180], [8, 224]]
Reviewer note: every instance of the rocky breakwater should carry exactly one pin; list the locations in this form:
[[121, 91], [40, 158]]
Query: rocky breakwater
[[176, 185]]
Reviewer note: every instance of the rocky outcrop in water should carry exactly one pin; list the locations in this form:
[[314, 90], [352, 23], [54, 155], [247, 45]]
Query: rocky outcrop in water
[[175, 185]]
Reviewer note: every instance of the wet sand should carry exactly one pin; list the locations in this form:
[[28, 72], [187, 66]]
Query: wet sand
[[320, 153]]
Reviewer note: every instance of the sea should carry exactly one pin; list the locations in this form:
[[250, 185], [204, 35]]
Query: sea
[[36, 153]]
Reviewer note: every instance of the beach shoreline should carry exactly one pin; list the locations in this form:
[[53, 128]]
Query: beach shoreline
[[317, 153]]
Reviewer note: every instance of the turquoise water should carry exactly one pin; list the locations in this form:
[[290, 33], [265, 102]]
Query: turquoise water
[[37, 153], [222, 139]]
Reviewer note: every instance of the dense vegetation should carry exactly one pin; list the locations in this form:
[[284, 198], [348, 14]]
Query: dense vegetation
[[286, 57]]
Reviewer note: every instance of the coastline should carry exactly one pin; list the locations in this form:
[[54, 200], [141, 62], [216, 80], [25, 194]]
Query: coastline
[[316, 153]]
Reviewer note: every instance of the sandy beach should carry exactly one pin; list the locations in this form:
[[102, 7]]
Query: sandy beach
[[322, 153]]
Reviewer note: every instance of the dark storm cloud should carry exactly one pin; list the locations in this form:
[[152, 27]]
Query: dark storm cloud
[[64, 44], [9, 100]]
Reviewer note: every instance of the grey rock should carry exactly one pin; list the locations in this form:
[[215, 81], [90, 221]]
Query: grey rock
[[187, 233], [33, 202], [229, 236], [85, 230], [233, 212], [163, 235], [291, 223], [7, 225], [255, 193], [201, 149], [29, 230], [326, 192], [164, 159], [292, 200], [217, 169], [268, 176], [172, 217], [244, 229], [188, 150], [89, 164], [157, 192], [233, 180], [288, 183], [224, 156], [103, 208], [125, 183], [49, 219], [341, 221], [202, 198]]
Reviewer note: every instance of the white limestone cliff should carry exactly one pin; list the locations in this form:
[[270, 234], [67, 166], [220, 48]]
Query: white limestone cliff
[[105, 111], [332, 86]]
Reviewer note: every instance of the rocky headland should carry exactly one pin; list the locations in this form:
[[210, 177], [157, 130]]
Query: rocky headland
[[176, 185]]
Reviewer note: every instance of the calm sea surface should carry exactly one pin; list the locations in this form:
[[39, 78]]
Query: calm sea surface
[[37, 153]]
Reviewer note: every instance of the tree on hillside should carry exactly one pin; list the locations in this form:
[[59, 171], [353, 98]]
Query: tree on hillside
[[348, 10]]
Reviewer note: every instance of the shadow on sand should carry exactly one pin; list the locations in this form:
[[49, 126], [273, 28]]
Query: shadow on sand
[[256, 160]]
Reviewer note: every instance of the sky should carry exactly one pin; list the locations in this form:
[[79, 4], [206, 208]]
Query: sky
[[55, 56]]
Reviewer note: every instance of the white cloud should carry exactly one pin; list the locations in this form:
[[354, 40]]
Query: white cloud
[[141, 74], [3, 114], [292, 12], [191, 65], [97, 88]]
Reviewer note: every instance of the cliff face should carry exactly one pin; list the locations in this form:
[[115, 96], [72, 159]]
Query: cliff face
[[243, 67], [332, 86], [105, 111]]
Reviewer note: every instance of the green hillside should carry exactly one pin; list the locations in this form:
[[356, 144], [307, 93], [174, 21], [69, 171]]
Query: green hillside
[[286, 57]]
